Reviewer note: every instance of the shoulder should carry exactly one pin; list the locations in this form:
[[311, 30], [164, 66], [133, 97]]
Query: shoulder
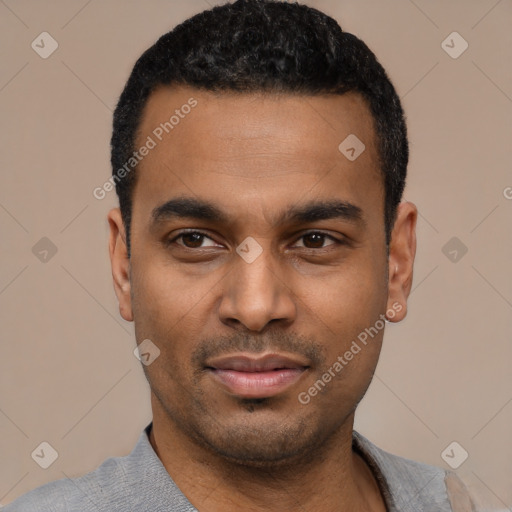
[[47, 498], [137, 481], [409, 484], [92, 491]]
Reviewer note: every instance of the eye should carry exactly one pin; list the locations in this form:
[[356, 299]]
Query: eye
[[193, 240], [316, 239]]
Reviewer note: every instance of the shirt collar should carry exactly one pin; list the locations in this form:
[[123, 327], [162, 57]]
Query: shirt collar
[[403, 483]]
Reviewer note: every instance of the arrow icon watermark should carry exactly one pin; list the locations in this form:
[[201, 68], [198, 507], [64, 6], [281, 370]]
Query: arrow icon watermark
[[351, 147], [146, 352]]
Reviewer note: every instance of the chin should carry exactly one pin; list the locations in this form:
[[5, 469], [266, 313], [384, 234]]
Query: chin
[[262, 441]]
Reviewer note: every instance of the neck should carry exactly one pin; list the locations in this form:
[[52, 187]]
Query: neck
[[331, 479]]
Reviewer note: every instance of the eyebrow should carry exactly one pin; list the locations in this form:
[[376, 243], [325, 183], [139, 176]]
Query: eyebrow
[[199, 209]]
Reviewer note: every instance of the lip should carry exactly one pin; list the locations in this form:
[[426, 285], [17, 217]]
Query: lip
[[257, 376]]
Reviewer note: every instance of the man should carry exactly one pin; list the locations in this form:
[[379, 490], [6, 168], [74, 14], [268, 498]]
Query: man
[[259, 154]]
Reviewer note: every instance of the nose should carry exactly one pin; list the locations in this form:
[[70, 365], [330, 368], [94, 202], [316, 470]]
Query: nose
[[257, 293]]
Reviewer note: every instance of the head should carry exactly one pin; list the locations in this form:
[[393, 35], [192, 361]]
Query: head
[[262, 220]]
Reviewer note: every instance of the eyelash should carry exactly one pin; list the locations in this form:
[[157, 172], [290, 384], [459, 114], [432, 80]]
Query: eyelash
[[182, 233]]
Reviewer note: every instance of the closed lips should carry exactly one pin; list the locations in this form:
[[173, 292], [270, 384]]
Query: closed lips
[[246, 376], [261, 364]]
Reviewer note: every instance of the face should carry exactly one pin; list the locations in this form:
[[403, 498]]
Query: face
[[258, 263]]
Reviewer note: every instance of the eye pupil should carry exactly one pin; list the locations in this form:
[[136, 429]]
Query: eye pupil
[[318, 239], [197, 238]]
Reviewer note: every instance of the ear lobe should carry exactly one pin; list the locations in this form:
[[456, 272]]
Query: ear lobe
[[120, 263], [402, 250]]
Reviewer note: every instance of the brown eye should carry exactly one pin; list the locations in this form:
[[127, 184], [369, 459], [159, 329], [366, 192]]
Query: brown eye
[[316, 239], [193, 240]]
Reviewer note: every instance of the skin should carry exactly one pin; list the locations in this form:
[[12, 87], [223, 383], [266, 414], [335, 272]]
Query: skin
[[255, 156]]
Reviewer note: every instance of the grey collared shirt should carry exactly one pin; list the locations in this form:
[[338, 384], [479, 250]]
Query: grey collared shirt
[[139, 482]]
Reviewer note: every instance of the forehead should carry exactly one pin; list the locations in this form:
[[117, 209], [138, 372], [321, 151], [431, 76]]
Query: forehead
[[317, 121], [255, 148]]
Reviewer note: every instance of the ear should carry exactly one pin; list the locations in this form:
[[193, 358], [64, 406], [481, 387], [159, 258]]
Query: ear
[[402, 250], [120, 263]]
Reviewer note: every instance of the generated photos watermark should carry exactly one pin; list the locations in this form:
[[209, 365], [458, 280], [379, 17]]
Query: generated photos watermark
[[158, 134], [335, 369]]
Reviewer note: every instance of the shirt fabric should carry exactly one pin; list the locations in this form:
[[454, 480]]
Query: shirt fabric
[[139, 482]]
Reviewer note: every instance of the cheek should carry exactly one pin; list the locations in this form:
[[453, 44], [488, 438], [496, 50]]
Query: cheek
[[168, 308], [352, 347], [164, 313], [349, 304], [162, 295], [350, 298]]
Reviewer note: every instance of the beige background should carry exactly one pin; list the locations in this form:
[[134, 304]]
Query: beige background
[[68, 375]]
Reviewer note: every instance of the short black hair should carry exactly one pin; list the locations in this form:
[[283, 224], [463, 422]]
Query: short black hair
[[268, 46]]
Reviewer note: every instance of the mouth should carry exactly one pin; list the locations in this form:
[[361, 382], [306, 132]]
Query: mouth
[[256, 376]]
